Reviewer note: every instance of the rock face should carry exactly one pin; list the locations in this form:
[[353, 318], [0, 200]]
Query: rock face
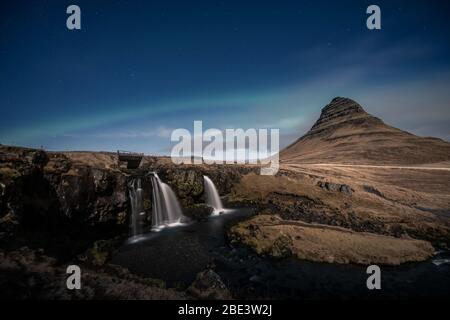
[[47, 194], [66, 201], [58, 205], [345, 133], [187, 180], [198, 211], [272, 236], [91, 195], [342, 112]]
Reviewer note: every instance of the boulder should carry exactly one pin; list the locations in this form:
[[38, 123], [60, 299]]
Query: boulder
[[209, 286], [198, 211]]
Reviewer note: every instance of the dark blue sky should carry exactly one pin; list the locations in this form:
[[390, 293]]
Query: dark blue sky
[[139, 69]]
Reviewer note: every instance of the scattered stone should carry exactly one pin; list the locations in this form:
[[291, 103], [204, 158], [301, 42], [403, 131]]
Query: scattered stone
[[334, 187]]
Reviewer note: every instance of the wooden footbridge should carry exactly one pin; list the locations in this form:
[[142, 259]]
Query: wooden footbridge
[[132, 159]]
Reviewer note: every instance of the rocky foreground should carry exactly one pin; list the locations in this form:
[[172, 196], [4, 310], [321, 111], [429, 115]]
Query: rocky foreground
[[30, 274]]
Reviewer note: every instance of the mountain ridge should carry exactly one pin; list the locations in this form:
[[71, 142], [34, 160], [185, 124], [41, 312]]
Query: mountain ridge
[[346, 133]]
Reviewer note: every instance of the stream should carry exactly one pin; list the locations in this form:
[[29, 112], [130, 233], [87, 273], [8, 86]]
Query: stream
[[177, 254]]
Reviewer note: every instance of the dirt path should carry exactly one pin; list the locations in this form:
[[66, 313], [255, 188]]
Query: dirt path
[[364, 166]]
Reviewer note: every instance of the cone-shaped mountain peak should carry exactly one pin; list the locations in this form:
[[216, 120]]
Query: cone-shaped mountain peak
[[346, 133]]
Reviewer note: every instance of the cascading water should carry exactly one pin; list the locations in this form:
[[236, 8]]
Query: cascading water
[[166, 208], [137, 206], [212, 196]]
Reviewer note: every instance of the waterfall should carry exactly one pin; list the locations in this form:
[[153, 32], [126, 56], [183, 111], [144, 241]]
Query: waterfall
[[137, 206], [166, 208], [212, 196]]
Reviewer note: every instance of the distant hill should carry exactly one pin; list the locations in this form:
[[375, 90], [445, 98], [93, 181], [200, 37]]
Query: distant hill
[[346, 133]]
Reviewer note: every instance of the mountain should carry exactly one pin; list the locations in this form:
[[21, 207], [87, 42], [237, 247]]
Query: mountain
[[346, 133]]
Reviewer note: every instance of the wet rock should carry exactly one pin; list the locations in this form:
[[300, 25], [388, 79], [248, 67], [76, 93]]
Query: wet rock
[[187, 184], [198, 211], [187, 180], [209, 286]]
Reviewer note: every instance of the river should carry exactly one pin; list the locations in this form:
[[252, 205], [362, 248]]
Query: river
[[177, 254]]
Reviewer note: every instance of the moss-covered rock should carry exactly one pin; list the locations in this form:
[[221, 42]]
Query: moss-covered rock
[[271, 235], [281, 247]]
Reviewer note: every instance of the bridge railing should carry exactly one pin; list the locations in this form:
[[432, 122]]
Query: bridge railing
[[132, 159]]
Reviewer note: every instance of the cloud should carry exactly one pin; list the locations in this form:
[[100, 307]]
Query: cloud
[[420, 106], [161, 132], [374, 76]]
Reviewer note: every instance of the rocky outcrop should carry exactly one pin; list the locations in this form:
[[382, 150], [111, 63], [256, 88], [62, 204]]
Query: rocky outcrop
[[91, 195], [272, 236], [335, 187], [53, 203], [209, 286], [198, 211]]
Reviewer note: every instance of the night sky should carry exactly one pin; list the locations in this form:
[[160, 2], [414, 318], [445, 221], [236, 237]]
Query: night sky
[[139, 69]]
